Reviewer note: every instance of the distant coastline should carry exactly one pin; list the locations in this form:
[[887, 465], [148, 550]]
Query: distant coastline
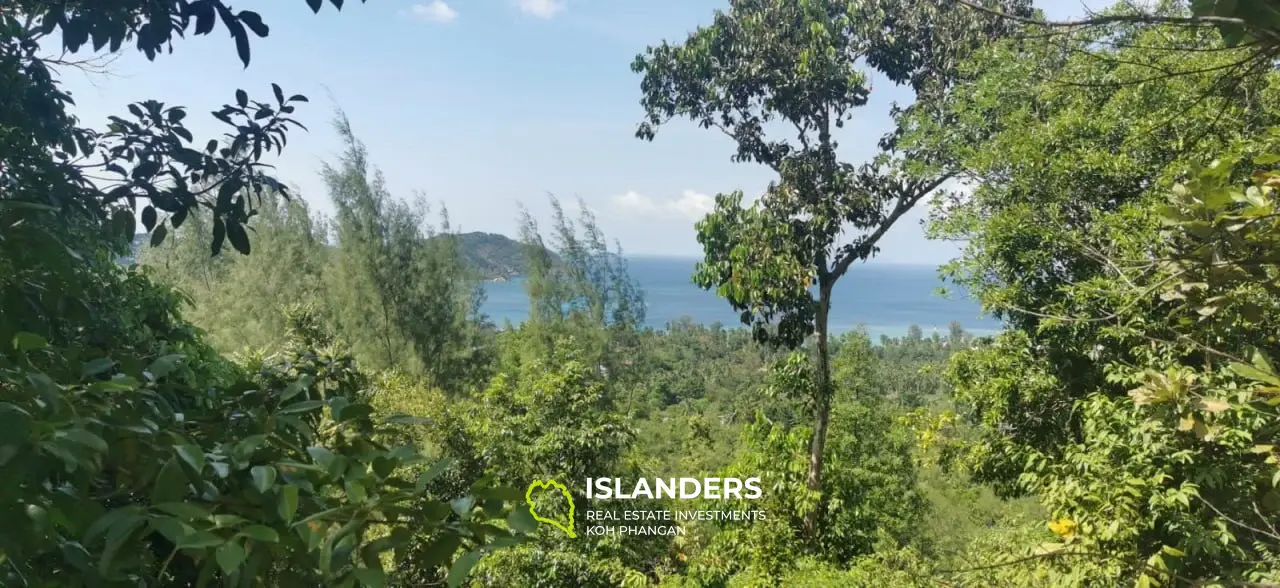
[[881, 298], [884, 299]]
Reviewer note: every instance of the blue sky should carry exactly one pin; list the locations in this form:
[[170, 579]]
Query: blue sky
[[483, 105]]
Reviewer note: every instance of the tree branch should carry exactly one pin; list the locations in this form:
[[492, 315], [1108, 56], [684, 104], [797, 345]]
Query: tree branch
[[904, 204]]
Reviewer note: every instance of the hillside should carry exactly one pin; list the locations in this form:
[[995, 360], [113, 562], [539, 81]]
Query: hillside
[[495, 256]]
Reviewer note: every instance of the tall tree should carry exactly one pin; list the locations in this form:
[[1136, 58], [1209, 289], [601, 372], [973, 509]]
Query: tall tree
[[770, 68], [579, 287], [401, 287], [239, 300]]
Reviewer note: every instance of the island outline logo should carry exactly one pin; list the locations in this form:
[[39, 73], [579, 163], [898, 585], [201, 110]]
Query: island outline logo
[[553, 485]]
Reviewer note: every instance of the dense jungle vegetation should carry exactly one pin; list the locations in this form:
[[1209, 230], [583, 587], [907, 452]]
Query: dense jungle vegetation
[[271, 397]]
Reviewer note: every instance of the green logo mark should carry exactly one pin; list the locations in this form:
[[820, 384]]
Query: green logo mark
[[551, 484]]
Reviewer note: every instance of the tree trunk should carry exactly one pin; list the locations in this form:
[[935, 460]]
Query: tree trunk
[[822, 410]]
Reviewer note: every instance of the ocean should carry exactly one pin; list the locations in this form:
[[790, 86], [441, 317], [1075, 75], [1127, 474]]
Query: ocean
[[883, 299]]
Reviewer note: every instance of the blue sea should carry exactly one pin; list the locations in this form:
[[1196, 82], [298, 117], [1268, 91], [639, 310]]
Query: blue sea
[[883, 299]]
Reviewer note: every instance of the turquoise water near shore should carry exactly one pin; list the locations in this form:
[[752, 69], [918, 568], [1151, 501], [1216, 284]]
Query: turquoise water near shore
[[884, 299]]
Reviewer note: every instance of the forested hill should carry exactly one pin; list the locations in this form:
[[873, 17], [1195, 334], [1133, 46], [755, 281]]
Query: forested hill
[[495, 256]]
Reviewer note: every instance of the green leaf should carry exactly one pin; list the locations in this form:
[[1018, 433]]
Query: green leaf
[[522, 520], [15, 423], [170, 485], [440, 550], [148, 213], [463, 506], [239, 239], [158, 235], [229, 556], [85, 438], [199, 540], [24, 341], [223, 521], [245, 447], [435, 511], [433, 472], [120, 532], [287, 505], [356, 492], [462, 568], [404, 419], [371, 577], [184, 510], [1252, 372], [219, 234], [304, 406], [263, 477], [108, 520], [323, 457], [96, 366], [261, 533], [193, 455], [164, 365], [500, 493], [172, 529], [382, 466], [123, 223], [295, 387]]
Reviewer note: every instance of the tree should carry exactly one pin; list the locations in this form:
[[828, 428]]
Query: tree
[[146, 156], [1111, 394], [768, 65], [399, 286], [550, 418], [871, 473], [239, 300], [578, 287], [1035, 224], [136, 455], [1254, 24]]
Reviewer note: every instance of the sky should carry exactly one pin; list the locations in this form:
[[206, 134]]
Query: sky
[[488, 105]]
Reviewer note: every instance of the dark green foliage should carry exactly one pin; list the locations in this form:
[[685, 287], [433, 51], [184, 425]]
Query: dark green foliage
[[148, 155], [132, 454], [870, 495], [550, 418], [1112, 398], [125, 440]]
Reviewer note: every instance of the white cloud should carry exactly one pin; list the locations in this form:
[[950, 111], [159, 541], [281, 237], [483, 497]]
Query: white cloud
[[635, 202], [435, 11], [693, 204], [690, 205], [541, 8]]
